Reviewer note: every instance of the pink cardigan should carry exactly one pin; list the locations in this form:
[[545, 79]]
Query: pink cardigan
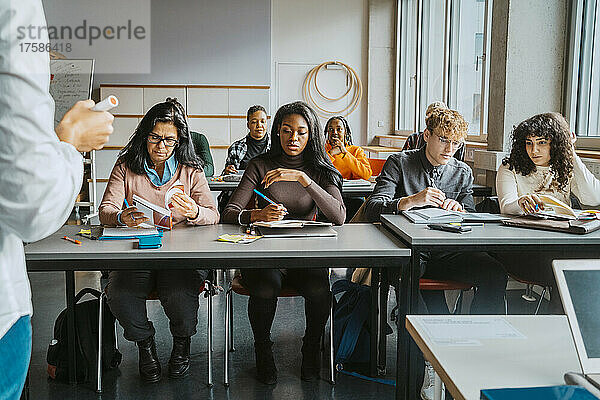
[[124, 183]]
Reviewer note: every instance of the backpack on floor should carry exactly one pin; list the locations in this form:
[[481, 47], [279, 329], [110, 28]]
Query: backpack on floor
[[86, 339], [351, 326]]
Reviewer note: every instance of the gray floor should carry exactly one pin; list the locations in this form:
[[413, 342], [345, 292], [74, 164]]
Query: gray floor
[[124, 383]]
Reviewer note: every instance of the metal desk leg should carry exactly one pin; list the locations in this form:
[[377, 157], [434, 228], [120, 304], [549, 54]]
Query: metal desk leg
[[383, 309], [408, 280], [374, 322], [70, 293]]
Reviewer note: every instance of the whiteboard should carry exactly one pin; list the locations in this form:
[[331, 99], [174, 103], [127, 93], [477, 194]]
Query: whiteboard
[[70, 81]]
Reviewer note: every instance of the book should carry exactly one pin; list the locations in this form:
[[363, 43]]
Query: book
[[556, 209], [356, 182], [127, 233], [290, 223], [306, 231], [434, 215], [157, 215], [562, 392]]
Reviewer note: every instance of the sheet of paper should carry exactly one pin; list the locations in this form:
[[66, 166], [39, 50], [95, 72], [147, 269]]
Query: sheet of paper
[[448, 331], [125, 232]]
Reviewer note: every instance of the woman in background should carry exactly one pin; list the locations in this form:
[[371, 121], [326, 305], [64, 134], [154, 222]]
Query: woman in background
[[296, 174], [350, 160], [158, 155]]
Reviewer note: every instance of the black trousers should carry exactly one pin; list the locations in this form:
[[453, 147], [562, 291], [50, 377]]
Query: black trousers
[[177, 290], [264, 286]]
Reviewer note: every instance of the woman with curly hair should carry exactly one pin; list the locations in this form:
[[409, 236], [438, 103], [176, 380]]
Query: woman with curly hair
[[542, 160]]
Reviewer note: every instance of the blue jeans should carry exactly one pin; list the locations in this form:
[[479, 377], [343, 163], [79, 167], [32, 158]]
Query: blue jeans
[[15, 352]]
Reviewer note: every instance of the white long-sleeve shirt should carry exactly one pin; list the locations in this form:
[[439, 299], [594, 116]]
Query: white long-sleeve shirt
[[39, 176], [511, 186]]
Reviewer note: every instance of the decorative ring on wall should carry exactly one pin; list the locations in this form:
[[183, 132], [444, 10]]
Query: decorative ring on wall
[[354, 87]]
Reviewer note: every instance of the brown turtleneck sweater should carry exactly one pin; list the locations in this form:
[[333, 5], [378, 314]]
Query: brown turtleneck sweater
[[301, 202]]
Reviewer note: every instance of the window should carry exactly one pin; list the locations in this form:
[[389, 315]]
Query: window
[[441, 56], [582, 103]]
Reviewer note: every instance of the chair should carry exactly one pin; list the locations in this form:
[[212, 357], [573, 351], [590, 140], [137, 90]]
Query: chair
[[433, 284], [207, 288], [376, 165], [528, 295], [286, 291]]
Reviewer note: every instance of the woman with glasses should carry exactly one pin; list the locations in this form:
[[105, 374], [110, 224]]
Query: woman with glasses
[[158, 156]]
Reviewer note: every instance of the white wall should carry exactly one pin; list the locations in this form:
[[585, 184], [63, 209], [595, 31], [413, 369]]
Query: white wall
[[308, 32]]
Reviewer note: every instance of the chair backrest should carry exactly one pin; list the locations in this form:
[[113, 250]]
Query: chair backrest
[[376, 165]]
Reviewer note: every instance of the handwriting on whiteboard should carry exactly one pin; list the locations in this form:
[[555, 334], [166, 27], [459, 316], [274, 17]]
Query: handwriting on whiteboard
[[70, 81]]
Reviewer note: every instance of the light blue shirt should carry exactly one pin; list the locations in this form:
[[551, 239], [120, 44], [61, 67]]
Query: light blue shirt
[[170, 167]]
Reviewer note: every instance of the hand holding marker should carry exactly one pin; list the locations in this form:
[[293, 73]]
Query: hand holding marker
[[107, 104], [269, 200]]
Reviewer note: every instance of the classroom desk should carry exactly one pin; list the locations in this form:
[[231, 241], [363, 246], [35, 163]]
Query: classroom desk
[[353, 190], [491, 237], [356, 245], [540, 359]]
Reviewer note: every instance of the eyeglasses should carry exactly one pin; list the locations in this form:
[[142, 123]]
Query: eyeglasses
[[156, 139], [453, 143]]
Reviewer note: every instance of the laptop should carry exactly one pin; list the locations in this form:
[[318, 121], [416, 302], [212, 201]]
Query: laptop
[[578, 283]]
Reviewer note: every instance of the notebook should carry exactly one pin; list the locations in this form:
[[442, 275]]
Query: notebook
[[578, 282], [434, 215], [306, 231]]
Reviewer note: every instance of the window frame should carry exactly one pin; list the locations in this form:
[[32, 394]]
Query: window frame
[[573, 86], [448, 50]]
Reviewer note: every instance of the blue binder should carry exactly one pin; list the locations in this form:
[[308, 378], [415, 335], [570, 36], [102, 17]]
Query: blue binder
[[563, 392]]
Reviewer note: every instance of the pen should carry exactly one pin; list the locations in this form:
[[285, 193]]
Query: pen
[[72, 240], [467, 223], [126, 203], [265, 197]]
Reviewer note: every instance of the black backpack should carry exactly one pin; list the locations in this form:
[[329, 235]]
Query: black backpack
[[351, 327], [86, 337]]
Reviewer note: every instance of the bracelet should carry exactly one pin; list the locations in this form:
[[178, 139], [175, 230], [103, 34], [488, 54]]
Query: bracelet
[[119, 218], [240, 217]]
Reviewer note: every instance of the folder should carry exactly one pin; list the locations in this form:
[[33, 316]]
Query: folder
[[562, 392]]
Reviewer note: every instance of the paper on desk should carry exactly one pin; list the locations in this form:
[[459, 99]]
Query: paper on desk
[[448, 331]]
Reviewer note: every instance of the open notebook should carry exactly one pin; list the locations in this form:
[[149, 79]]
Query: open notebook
[[439, 216]]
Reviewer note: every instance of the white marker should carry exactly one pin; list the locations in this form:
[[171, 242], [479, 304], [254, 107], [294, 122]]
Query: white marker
[[107, 104]]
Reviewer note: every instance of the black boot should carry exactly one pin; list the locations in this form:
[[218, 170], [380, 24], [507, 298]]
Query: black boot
[[179, 363], [311, 361], [265, 364], [149, 365]]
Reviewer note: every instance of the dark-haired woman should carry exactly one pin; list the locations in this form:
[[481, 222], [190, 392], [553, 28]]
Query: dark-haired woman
[[297, 174], [542, 160], [158, 155], [350, 160]]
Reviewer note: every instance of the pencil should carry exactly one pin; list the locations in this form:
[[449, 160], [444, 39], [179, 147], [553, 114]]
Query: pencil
[[72, 240]]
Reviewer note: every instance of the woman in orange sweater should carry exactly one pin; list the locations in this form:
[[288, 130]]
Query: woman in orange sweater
[[350, 160]]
